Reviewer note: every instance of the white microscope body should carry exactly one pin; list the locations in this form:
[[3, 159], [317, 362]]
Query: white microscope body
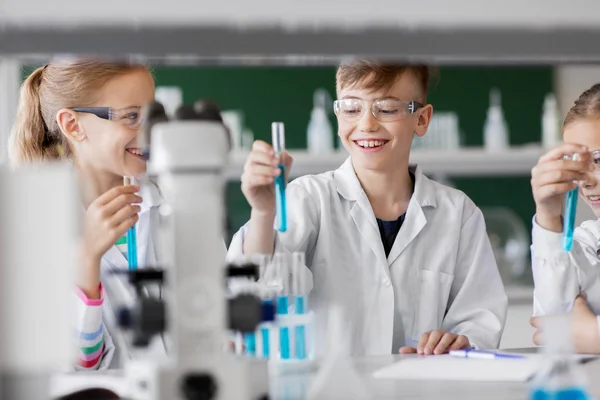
[[188, 158]]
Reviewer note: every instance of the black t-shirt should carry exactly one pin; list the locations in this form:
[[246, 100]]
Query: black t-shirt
[[389, 229]]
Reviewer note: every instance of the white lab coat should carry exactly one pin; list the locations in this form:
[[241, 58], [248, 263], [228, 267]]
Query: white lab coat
[[560, 276], [440, 273]]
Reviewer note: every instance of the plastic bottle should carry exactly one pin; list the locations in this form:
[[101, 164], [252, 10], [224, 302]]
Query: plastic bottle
[[495, 133], [319, 135], [559, 377], [550, 122], [171, 97]]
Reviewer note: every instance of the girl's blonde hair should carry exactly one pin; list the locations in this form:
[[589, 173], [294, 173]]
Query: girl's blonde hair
[[35, 135], [586, 106]]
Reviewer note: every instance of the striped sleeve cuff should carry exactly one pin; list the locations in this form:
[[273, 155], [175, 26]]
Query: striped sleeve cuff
[[91, 347], [87, 301], [89, 329], [89, 357]]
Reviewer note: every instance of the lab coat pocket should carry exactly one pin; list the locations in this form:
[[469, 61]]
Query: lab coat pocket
[[431, 301]]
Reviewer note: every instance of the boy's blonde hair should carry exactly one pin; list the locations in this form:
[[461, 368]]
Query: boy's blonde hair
[[375, 76], [35, 135]]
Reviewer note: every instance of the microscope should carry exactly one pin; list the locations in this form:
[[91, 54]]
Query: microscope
[[187, 157]]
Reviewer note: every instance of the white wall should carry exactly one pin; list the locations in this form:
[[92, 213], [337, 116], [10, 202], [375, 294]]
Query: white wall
[[9, 96], [349, 13]]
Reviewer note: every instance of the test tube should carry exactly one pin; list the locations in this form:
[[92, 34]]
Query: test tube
[[570, 212], [280, 268], [265, 328], [299, 291], [250, 343], [278, 141], [131, 234]]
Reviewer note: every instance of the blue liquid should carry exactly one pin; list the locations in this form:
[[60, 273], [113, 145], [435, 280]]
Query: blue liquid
[[132, 248], [284, 332], [299, 330], [284, 342], [569, 220], [250, 343], [300, 340], [299, 304], [562, 394], [264, 333], [280, 203], [282, 305]]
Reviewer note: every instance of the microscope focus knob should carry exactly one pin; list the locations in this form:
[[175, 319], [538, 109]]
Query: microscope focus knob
[[199, 387]]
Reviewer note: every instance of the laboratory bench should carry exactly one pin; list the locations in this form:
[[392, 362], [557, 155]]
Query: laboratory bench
[[290, 386]]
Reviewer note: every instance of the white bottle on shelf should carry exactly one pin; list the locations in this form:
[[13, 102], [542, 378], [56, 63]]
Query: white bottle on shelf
[[495, 132], [171, 97], [319, 135], [550, 122]]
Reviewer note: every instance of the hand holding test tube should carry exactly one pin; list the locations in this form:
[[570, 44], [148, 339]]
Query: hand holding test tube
[[570, 212], [278, 142]]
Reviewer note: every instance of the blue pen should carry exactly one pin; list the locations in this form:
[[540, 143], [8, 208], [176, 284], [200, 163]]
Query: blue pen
[[569, 219], [278, 142], [483, 354], [131, 235]]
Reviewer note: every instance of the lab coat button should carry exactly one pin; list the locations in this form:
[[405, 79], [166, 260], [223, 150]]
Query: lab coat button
[[386, 282]]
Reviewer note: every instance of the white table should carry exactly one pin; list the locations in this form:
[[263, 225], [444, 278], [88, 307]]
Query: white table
[[295, 386]]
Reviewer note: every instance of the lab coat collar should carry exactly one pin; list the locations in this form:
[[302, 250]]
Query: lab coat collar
[[151, 196], [424, 195], [350, 188]]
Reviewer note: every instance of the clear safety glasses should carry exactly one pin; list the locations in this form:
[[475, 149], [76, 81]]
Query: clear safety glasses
[[130, 116], [384, 110]]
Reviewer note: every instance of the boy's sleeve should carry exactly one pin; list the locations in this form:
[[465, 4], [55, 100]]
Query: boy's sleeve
[[301, 234], [95, 347], [478, 303], [560, 276]]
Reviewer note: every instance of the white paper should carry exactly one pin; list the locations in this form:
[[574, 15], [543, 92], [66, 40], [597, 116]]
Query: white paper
[[446, 367]]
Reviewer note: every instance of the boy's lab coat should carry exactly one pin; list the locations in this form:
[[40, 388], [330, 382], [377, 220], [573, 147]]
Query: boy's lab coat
[[440, 273]]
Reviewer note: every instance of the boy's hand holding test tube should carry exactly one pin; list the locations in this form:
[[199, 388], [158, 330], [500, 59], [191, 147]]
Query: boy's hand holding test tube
[[263, 168], [558, 173]]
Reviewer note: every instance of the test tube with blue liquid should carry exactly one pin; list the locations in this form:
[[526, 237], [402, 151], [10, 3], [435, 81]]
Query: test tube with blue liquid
[[264, 329], [131, 234], [280, 267], [250, 344], [570, 211], [278, 142], [299, 287]]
